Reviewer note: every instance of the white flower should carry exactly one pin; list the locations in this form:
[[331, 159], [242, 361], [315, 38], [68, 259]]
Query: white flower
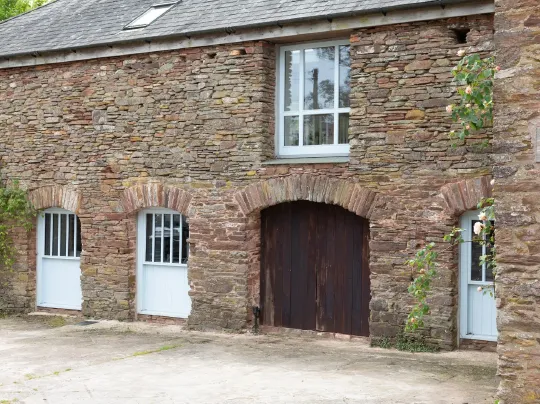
[[468, 105], [449, 108], [468, 90], [482, 216], [479, 288], [492, 182], [461, 53], [478, 227]]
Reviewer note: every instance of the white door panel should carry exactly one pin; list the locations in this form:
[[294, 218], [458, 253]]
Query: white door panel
[[478, 313], [165, 290], [61, 284]]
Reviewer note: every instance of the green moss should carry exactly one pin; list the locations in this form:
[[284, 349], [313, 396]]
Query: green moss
[[57, 322]]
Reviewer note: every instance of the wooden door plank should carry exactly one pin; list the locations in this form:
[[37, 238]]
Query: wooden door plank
[[286, 248], [322, 271], [350, 221], [366, 287], [298, 246], [357, 309], [313, 211]]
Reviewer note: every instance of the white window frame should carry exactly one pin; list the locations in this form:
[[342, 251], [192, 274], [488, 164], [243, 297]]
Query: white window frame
[[166, 6], [311, 150], [141, 241]]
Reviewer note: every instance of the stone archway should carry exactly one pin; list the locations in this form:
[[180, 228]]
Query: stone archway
[[464, 195], [346, 194], [56, 196], [313, 188], [143, 196]]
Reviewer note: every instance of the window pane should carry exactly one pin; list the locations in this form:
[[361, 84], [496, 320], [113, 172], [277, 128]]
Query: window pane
[[157, 237], [55, 235], [79, 238], [319, 69], [149, 16], [149, 237], [344, 76], [185, 236], [292, 130], [176, 239], [47, 234], [292, 80], [167, 239], [63, 235], [319, 129], [343, 128], [71, 236], [476, 253]]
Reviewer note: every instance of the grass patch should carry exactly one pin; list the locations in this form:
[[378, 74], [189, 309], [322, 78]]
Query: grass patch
[[57, 322], [404, 343], [410, 344], [151, 351], [383, 342]]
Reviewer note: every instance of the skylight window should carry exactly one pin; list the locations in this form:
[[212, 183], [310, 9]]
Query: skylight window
[[149, 16]]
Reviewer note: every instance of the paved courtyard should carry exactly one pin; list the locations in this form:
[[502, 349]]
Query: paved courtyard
[[43, 361]]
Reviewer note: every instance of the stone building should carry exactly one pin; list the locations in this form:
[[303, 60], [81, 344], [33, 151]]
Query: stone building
[[196, 160]]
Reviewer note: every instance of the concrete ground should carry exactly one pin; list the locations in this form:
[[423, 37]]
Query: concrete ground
[[44, 361]]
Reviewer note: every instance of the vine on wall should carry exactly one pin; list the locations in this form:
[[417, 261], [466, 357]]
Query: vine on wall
[[474, 77], [16, 211]]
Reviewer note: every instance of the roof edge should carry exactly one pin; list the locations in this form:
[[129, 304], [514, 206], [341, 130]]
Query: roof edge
[[331, 24]]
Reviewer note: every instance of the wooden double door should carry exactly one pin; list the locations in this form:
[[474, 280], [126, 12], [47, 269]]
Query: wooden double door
[[314, 268]]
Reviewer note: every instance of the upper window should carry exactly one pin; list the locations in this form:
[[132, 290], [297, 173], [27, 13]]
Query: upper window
[[314, 99], [149, 16]]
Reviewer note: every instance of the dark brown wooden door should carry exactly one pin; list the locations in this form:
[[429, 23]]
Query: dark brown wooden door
[[314, 268]]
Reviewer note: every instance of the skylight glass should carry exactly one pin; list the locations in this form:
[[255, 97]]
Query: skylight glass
[[149, 16]]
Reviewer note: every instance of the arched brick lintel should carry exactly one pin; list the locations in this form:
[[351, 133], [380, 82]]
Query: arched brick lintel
[[346, 194], [143, 196], [464, 195], [55, 196]]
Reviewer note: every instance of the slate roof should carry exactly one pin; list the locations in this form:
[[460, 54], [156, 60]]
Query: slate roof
[[70, 24]]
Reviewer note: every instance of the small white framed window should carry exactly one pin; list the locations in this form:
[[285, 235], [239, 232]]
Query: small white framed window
[[166, 236], [149, 16], [313, 103]]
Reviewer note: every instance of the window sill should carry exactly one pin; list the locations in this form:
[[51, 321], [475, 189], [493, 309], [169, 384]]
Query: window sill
[[307, 160]]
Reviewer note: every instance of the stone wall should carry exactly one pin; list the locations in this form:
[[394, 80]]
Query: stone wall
[[198, 124], [517, 192]]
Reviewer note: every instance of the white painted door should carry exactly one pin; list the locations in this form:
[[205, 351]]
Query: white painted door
[[162, 275], [59, 262], [478, 313]]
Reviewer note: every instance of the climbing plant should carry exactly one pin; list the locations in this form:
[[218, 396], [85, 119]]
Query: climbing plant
[[474, 77], [16, 211]]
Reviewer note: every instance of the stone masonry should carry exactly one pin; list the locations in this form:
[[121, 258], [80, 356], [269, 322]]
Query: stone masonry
[[517, 192], [192, 129]]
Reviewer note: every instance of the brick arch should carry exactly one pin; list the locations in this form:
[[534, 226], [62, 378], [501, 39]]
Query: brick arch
[[346, 194], [464, 195], [143, 196], [55, 196]]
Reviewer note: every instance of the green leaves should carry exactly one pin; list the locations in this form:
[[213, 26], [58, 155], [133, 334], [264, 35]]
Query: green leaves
[[475, 110], [11, 8], [424, 263], [15, 212]]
